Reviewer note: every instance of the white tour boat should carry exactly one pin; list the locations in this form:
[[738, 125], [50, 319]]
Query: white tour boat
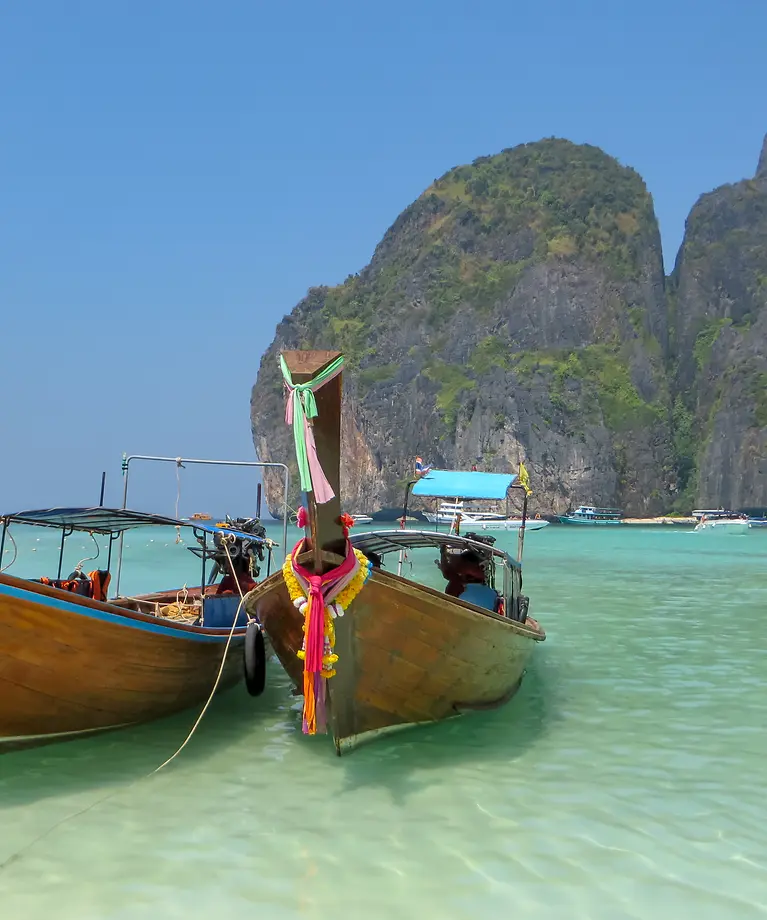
[[452, 512]]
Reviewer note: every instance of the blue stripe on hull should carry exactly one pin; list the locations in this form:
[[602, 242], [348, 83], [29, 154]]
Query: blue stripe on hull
[[43, 600]]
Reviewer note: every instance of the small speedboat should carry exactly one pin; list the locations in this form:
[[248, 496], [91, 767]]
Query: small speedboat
[[722, 524], [362, 519]]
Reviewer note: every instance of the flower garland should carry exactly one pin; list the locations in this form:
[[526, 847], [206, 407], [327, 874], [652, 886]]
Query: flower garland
[[328, 595]]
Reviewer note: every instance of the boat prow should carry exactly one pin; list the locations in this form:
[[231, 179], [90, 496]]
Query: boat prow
[[407, 654], [371, 651]]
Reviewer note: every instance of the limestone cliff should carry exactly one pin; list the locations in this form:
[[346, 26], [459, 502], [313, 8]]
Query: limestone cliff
[[515, 311], [719, 341]]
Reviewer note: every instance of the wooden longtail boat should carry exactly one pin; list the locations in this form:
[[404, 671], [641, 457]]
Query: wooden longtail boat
[[73, 662], [407, 653]]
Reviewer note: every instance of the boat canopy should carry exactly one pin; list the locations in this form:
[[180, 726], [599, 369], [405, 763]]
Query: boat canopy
[[464, 484], [111, 521], [90, 520], [382, 542]]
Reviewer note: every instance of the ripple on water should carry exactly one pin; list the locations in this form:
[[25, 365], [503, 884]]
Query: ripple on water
[[626, 780]]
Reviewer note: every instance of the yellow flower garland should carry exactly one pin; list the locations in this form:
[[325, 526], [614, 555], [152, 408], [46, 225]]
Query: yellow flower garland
[[336, 607]]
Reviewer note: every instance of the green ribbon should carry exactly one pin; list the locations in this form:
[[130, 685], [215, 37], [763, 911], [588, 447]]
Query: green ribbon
[[301, 407]]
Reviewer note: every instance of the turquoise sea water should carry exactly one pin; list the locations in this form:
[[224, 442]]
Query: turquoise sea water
[[627, 779]]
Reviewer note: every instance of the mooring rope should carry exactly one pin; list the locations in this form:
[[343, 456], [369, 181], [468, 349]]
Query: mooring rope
[[14, 857], [223, 661]]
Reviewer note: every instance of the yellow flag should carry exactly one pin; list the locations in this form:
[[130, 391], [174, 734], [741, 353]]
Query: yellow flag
[[524, 479]]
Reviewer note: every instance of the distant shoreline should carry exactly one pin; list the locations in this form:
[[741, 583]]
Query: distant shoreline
[[660, 521], [386, 517]]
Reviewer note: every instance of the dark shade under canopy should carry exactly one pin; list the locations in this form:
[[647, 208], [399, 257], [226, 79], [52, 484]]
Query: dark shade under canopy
[[389, 541]]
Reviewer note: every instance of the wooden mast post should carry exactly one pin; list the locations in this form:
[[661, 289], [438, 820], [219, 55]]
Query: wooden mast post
[[325, 527]]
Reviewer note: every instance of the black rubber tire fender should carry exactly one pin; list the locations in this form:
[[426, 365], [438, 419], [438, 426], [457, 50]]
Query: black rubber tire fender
[[254, 656]]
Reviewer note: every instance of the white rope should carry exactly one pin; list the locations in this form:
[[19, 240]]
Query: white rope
[[221, 668], [15, 553], [14, 857]]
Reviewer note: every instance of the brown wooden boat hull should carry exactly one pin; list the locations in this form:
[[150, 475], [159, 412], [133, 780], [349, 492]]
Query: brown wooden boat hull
[[407, 654], [70, 665]]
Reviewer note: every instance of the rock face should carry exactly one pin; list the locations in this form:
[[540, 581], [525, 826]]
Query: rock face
[[518, 311], [761, 169], [719, 339], [515, 312]]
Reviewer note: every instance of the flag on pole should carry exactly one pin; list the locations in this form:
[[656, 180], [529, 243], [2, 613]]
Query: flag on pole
[[420, 468], [524, 479]]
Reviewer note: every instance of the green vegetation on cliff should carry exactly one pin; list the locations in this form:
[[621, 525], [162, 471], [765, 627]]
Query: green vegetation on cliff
[[719, 350], [590, 382], [470, 238], [575, 200], [705, 339], [453, 384], [516, 308]]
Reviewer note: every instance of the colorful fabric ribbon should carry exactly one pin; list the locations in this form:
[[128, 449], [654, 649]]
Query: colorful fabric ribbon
[[319, 592], [300, 409]]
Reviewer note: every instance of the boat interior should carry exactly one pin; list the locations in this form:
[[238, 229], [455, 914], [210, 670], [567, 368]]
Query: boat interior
[[474, 571], [233, 554], [213, 608]]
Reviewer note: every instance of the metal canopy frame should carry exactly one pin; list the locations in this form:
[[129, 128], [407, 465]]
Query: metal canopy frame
[[392, 541], [514, 486], [181, 461], [100, 520]]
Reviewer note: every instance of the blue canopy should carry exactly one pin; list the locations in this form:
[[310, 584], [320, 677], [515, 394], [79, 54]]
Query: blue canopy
[[462, 484], [210, 527]]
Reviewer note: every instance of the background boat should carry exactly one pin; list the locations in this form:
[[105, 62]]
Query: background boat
[[588, 515], [722, 525], [450, 512]]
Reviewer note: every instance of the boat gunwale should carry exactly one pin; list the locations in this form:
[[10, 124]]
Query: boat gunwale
[[414, 588], [57, 594]]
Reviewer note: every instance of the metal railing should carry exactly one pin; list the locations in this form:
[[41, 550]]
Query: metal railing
[[180, 461]]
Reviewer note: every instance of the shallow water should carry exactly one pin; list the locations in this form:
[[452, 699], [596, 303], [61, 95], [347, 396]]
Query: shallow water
[[626, 780]]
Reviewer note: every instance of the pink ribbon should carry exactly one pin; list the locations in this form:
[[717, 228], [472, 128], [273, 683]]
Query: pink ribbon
[[322, 489], [315, 638]]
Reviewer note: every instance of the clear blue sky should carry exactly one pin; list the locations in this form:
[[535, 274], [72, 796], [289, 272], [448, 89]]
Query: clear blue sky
[[175, 175]]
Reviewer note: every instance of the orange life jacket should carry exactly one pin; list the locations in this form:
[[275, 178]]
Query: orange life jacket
[[100, 581]]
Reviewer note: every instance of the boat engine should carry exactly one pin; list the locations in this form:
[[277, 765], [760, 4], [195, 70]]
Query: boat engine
[[244, 553], [480, 538]]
